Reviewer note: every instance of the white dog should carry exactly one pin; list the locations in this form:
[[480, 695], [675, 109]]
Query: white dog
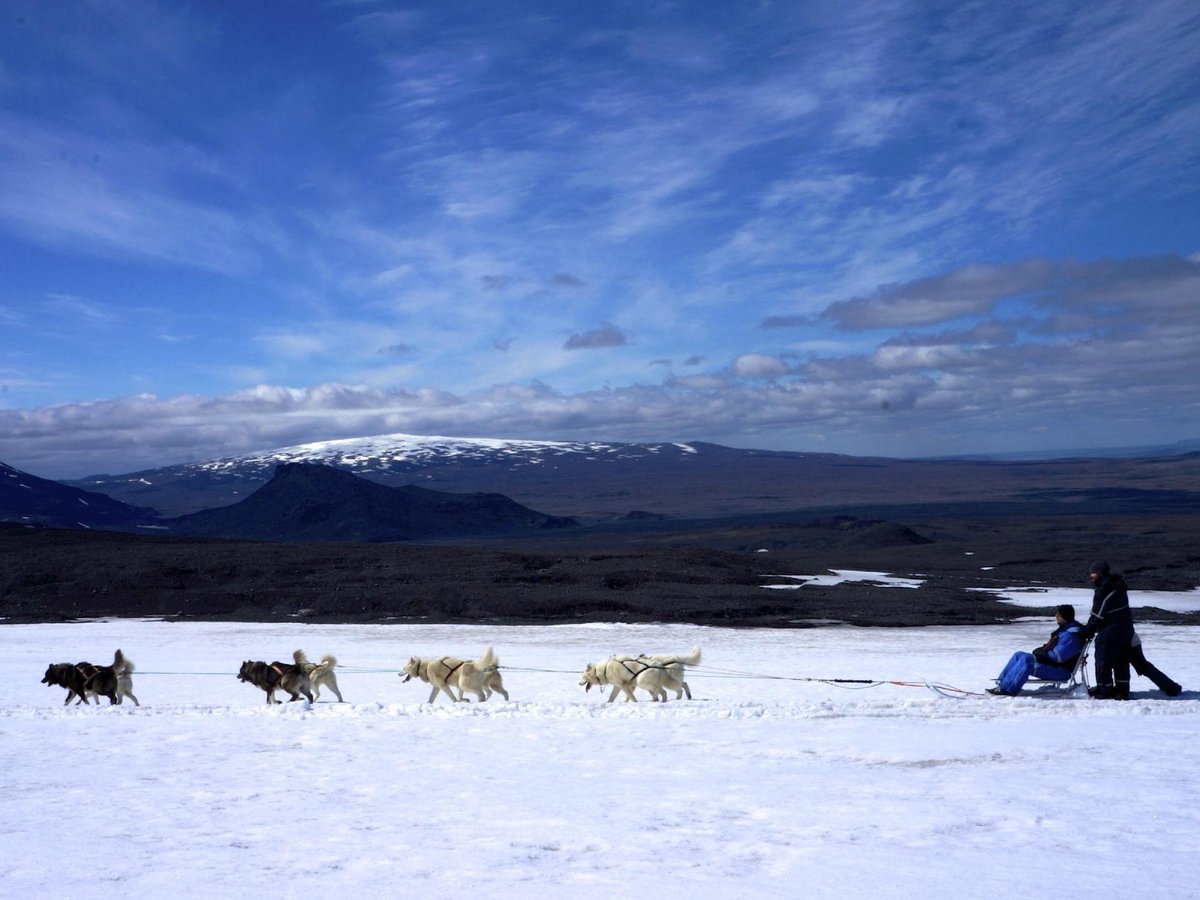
[[480, 677], [654, 674], [319, 673]]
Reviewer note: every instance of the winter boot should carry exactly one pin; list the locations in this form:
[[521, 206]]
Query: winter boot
[[1161, 681]]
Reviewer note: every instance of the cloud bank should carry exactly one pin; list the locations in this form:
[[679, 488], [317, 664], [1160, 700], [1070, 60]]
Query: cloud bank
[[1096, 348], [912, 228]]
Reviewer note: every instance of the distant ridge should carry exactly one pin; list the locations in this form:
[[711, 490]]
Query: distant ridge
[[28, 500], [603, 481], [310, 502]]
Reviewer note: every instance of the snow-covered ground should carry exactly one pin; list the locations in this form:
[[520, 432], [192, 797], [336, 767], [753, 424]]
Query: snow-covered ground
[[1081, 598], [1031, 596], [759, 787]]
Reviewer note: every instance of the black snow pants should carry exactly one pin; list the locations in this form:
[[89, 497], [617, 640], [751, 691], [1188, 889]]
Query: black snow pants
[[1147, 669], [1113, 645]]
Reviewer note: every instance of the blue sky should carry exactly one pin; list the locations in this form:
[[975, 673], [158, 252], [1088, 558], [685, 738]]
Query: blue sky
[[895, 228]]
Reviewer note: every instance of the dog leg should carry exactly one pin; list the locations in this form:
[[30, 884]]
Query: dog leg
[[613, 696], [498, 688], [333, 686]]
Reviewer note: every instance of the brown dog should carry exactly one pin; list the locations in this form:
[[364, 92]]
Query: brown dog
[[277, 676], [84, 678], [72, 676]]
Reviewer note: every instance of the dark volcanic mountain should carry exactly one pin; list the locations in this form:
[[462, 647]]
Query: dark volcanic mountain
[[29, 500], [308, 502]]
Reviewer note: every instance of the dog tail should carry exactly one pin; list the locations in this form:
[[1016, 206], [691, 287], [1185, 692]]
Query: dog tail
[[487, 660], [692, 659], [328, 661], [122, 665], [299, 657]]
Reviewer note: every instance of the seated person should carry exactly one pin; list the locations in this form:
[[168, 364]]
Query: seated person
[[1053, 661]]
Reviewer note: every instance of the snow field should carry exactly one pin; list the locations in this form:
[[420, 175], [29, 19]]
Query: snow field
[[757, 788]]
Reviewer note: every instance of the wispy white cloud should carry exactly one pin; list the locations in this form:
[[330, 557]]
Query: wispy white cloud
[[845, 220], [963, 386], [71, 190]]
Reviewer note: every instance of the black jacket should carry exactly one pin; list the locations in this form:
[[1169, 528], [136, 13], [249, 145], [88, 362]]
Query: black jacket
[[1110, 604]]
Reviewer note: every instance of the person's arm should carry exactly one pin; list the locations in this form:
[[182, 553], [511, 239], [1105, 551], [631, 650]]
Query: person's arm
[[1100, 609], [1068, 648]]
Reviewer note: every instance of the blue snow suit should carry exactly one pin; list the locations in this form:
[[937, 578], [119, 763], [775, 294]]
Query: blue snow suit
[[1052, 662]]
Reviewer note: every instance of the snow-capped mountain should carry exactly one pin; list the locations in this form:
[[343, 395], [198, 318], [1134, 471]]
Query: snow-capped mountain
[[447, 463], [388, 454]]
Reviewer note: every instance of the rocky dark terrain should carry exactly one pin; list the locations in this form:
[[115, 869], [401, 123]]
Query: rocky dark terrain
[[956, 529], [708, 572]]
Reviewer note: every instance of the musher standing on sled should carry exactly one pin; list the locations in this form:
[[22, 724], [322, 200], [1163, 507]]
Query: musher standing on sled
[[1111, 623]]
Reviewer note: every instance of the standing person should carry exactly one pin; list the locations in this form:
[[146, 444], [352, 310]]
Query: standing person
[[1147, 669], [1053, 661], [1111, 622]]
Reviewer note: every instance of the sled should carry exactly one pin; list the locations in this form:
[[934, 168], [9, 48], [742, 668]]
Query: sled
[[1075, 685]]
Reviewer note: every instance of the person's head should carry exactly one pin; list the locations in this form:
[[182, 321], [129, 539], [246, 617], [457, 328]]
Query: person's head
[[1065, 614], [1099, 569]]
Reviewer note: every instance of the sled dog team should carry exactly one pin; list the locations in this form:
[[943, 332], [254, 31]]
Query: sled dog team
[[624, 674]]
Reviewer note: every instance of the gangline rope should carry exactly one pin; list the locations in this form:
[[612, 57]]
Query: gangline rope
[[704, 670]]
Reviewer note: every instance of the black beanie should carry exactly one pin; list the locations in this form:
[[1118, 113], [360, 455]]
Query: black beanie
[[1099, 567]]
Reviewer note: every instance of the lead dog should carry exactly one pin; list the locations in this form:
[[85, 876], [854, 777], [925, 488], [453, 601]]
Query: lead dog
[[320, 673], [654, 674], [277, 676], [480, 677], [84, 678], [72, 676]]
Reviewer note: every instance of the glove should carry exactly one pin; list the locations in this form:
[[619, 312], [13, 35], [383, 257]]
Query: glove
[[1042, 655], [1089, 632]]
